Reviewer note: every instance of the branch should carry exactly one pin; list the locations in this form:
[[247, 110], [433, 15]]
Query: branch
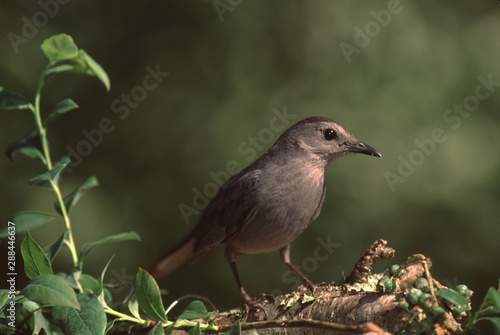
[[377, 251], [337, 308], [368, 328], [354, 307]]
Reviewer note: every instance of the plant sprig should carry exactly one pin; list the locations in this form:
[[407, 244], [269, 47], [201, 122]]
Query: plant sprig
[[74, 293], [79, 302], [64, 56]]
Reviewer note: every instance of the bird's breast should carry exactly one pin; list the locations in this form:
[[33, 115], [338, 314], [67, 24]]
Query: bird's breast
[[287, 203]]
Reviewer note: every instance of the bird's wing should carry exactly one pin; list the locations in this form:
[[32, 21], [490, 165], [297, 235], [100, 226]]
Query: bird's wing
[[231, 209]]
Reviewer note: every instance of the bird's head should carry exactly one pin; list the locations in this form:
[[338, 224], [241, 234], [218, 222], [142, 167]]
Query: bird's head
[[322, 138]]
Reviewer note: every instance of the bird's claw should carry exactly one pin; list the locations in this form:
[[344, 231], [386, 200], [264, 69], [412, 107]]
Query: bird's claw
[[250, 304], [309, 285]]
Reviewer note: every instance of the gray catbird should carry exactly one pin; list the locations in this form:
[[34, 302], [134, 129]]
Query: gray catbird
[[265, 206]]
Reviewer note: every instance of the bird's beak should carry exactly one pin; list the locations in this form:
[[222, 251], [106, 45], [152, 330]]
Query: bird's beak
[[363, 148]]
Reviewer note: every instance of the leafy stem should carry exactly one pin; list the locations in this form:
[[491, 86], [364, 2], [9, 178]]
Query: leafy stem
[[70, 294], [123, 317], [70, 241], [48, 163], [38, 119]]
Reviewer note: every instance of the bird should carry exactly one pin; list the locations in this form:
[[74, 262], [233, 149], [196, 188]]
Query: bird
[[267, 205]]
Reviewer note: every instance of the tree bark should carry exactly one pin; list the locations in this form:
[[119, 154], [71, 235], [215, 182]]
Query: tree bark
[[333, 304], [359, 305]]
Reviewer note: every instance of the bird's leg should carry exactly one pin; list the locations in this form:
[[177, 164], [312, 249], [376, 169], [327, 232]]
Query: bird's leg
[[285, 259], [248, 302]]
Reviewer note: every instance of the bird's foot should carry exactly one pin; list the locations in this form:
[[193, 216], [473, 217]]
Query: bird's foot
[[308, 284], [264, 296], [250, 304]]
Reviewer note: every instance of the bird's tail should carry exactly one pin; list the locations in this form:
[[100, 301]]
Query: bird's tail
[[174, 258]]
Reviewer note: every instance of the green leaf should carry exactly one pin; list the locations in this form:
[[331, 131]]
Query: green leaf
[[94, 69], [148, 296], [90, 284], [110, 325], [7, 330], [89, 320], [45, 178], [37, 319], [42, 180], [196, 330], [31, 152], [59, 47], [234, 330], [454, 298], [156, 330], [491, 302], [4, 297], [51, 290], [84, 64], [52, 249], [133, 306], [11, 100], [196, 309], [27, 220], [40, 322], [169, 330], [73, 278], [30, 306], [71, 199], [59, 166], [35, 261], [127, 236], [62, 107], [100, 280], [58, 69], [28, 145]]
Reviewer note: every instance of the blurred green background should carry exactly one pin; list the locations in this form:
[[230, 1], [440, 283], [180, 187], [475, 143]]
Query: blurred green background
[[389, 71]]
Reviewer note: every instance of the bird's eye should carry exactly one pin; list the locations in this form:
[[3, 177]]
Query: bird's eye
[[329, 134]]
